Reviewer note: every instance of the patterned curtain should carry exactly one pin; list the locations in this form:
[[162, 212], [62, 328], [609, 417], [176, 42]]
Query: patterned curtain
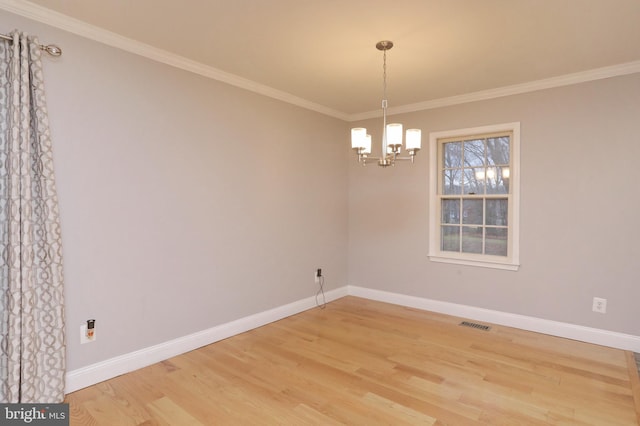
[[32, 345]]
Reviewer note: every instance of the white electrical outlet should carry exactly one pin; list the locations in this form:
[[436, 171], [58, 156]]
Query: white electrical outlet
[[599, 305], [83, 335]]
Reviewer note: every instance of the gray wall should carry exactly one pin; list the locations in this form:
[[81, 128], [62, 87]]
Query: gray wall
[[580, 154], [185, 203]]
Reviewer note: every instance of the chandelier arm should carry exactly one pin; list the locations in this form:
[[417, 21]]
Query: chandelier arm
[[368, 160], [411, 158]]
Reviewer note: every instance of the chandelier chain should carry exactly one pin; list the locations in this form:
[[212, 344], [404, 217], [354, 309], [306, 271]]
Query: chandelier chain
[[384, 104]]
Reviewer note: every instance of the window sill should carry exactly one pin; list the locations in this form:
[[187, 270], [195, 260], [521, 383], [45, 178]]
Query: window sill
[[497, 264]]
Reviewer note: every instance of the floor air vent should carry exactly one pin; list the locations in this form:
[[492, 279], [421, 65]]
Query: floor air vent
[[475, 325]]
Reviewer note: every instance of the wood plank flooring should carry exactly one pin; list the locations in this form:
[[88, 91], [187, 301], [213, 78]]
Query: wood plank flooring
[[360, 362]]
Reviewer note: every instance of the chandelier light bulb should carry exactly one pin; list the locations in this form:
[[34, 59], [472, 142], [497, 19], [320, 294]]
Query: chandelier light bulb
[[413, 139], [394, 135], [367, 145], [358, 137]]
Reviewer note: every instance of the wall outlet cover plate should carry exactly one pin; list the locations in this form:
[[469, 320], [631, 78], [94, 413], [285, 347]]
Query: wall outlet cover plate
[[83, 335]]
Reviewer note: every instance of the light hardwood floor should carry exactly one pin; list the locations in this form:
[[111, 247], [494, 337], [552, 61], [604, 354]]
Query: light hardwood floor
[[360, 362]]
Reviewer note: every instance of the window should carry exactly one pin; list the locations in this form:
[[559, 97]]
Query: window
[[474, 197]]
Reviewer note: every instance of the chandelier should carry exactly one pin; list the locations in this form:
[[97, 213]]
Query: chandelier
[[391, 133]]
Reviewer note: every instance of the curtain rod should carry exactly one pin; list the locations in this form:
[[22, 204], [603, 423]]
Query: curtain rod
[[51, 49]]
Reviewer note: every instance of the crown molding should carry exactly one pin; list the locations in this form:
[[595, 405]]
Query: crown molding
[[516, 89], [55, 19], [75, 26]]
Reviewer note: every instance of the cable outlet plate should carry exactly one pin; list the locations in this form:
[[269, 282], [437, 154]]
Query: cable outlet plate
[[599, 305]]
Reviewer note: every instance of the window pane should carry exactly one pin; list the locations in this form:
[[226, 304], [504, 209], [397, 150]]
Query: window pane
[[450, 211], [497, 180], [450, 238], [472, 239], [498, 151], [451, 181], [497, 212], [474, 181], [503, 175], [474, 153], [496, 241], [452, 155], [472, 212]]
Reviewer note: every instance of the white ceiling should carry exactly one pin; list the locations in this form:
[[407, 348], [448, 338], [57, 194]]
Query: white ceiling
[[324, 51]]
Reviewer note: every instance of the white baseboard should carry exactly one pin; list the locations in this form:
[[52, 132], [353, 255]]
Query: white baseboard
[[96, 373], [555, 328], [101, 371]]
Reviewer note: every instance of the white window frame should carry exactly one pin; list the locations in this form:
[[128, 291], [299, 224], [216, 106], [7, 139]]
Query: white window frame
[[512, 260]]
